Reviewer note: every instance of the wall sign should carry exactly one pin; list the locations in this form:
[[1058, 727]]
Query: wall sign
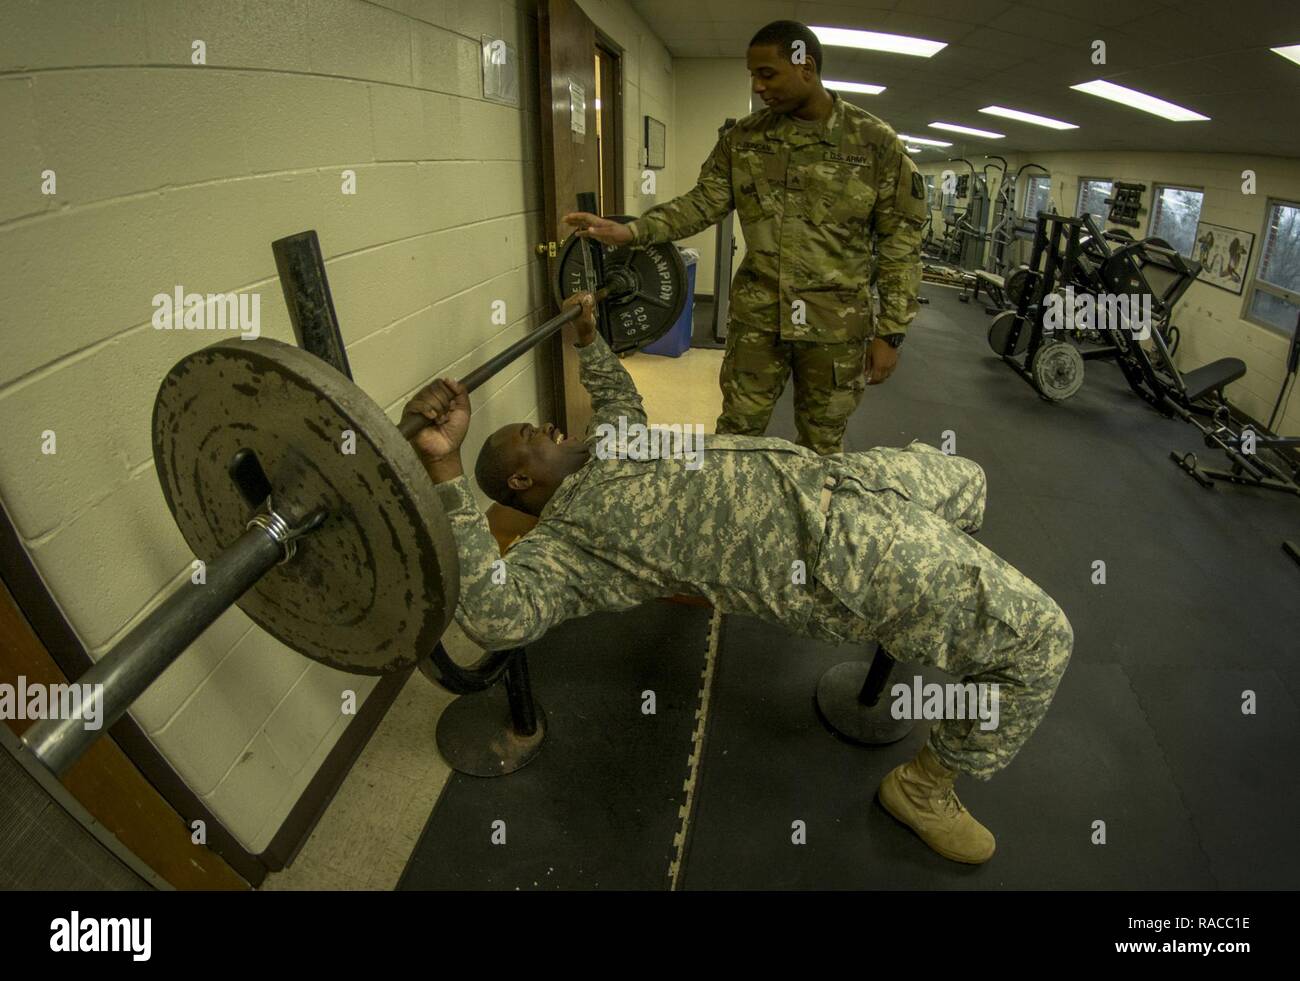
[[656, 142], [1224, 254], [578, 111]]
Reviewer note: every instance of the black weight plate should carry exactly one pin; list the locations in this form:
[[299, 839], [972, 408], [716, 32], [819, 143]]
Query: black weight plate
[[649, 311], [1000, 331], [373, 588], [1019, 281]]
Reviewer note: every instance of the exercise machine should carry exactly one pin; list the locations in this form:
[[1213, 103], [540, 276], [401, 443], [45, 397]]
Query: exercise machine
[[1072, 257], [969, 230], [1259, 458], [1005, 232]]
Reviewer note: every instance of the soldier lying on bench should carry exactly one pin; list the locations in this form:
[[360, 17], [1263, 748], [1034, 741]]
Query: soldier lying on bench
[[882, 536]]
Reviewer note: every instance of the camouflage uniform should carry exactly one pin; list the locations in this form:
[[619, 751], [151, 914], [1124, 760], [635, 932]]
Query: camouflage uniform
[[809, 198], [874, 533]]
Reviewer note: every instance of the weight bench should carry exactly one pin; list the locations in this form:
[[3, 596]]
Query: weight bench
[[1197, 393], [1211, 379], [994, 285], [1200, 392]]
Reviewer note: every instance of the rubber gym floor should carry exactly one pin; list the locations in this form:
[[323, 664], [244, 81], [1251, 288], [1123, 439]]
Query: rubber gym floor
[[1146, 740]]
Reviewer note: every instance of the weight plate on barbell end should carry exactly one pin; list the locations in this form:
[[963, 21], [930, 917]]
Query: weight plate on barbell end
[[1018, 282], [373, 588], [650, 310], [1057, 370], [1000, 331]]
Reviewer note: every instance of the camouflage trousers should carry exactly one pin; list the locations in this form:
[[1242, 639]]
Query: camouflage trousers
[[897, 567], [828, 385]]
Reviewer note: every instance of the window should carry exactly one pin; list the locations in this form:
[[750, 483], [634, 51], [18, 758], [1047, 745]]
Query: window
[[1038, 196], [1274, 296], [1174, 215], [1092, 199]]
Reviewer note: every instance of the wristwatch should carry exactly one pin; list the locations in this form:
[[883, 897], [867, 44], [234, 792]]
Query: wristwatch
[[893, 340]]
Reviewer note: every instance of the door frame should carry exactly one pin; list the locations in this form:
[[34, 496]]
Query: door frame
[[611, 109]]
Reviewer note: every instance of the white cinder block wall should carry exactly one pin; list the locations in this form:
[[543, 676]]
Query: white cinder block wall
[[173, 174], [1209, 318]]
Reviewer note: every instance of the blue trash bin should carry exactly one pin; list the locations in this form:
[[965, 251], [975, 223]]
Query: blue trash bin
[[677, 341]]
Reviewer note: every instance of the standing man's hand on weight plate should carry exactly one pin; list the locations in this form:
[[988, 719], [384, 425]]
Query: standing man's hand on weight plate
[[601, 229]]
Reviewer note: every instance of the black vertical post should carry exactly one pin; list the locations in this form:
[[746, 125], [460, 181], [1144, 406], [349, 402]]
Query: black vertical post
[[519, 691], [882, 665], [301, 266]]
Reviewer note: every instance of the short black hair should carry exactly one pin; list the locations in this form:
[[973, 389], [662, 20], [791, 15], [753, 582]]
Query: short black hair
[[784, 33], [492, 474]]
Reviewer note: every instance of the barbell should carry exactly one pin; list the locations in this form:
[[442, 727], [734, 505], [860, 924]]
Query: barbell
[[310, 510]]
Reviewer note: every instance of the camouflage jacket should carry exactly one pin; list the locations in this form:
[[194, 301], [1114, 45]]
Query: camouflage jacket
[[619, 532], [810, 201]]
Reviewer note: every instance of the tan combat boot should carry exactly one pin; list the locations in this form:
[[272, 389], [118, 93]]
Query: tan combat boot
[[920, 794]]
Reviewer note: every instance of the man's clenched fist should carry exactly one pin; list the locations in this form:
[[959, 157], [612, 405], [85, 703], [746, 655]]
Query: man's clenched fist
[[586, 322], [445, 404]]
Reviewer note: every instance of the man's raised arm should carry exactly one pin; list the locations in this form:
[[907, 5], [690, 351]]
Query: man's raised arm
[[613, 394], [502, 604], [612, 391], [707, 203]]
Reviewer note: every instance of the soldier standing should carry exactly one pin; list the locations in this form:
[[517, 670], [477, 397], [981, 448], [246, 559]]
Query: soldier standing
[[813, 179]]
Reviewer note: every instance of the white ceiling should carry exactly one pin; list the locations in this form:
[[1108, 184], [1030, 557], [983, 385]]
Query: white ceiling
[[1208, 55]]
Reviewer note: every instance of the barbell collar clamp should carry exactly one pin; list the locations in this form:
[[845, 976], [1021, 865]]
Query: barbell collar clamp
[[282, 532]]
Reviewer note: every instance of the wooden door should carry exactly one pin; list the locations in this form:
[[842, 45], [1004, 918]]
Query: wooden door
[[570, 159]]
